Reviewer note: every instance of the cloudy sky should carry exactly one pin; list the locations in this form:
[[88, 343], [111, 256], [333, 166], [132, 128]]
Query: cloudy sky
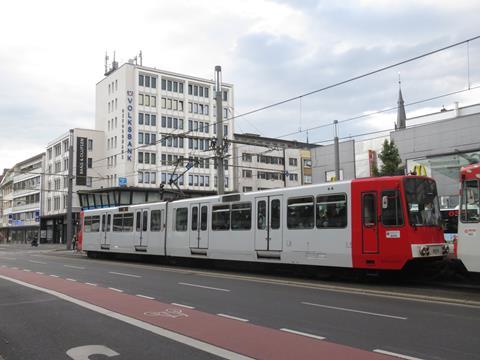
[[52, 55]]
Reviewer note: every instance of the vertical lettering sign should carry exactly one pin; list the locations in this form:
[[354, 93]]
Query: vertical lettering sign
[[129, 125], [81, 175]]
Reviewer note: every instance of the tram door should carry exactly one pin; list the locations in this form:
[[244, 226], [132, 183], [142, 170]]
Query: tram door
[[369, 223], [106, 231], [141, 230], [199, 226], [268, 225]]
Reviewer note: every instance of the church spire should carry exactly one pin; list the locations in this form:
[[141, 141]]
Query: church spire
[[401, 116]]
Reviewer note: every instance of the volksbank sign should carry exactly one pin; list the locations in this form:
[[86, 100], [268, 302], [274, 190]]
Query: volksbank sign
[[129, 125]]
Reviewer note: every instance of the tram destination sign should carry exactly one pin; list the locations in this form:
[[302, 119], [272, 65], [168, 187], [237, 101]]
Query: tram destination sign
[[81, 174]]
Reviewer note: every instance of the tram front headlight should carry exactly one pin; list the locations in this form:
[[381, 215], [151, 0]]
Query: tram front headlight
[[424, 251]]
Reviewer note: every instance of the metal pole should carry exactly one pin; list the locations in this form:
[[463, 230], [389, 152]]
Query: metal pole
[[69, 194], [284, 169], [337, 152], [219, 158]]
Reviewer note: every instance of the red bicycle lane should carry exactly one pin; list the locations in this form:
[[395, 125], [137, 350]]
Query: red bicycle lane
[[243, 338]]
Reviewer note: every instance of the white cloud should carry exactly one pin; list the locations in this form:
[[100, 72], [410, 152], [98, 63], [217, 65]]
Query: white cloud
[[51, 56]]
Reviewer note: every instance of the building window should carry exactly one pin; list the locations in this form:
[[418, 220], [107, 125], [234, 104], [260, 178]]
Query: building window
[[141, 80], [247, 188], [247, 173], [247, 157], [90, 145], [140, 99], [89, 163], [292, 162]]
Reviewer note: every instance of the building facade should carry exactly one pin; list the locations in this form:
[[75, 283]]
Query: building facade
[[160, 124], [266, 163], [21, 195], [88, 173], [438, 143]]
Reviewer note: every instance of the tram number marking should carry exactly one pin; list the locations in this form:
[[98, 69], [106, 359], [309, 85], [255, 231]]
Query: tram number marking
[[393, 234], [470, 232], [84, 352], [171, 313]]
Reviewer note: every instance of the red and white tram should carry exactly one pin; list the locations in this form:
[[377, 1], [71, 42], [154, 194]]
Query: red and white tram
[[374, 223], [468, 243]]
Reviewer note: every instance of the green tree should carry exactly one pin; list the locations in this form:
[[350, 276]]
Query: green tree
[[391, 161]]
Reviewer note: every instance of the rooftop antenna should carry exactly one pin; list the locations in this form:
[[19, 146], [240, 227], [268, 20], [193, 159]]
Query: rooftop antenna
[[140, 55], [114, 63], [106, 61]]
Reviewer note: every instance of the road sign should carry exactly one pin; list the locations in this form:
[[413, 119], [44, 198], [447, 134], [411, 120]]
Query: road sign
[[122, 181]]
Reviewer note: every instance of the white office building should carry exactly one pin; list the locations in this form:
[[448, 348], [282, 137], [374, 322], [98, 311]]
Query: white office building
[[21, 196], [155, 123], [89, 164]]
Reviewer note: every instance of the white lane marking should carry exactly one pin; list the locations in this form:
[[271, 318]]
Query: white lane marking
[[204, 287], [4, 266], [232, 317], [185, 306], [27, 270], [84, 352], [303, 334], [197, 344], [114, 289], [9, 258], [91, 284], [123, 274], [75, 267], [55, 276], [355, 311], [70, 279], [400, 356], [38, 272], [146, 297], [37, 262]]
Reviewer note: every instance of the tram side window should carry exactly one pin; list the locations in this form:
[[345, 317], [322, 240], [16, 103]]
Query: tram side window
[[138, 221], [87, 224], [300, 213], [117, 222], [332, 211], [391, 208], [203, 220], [155, 220], [369, 210], [221, 217], [128, 222], [275, 209], [195, 218], [261, 215], [181, 219], [145, 220], [123, 222], [470, 202], [242, 216], [95, 223]]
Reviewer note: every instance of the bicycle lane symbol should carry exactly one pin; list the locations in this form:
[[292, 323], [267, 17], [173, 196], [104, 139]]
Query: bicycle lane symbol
[[171, 313]]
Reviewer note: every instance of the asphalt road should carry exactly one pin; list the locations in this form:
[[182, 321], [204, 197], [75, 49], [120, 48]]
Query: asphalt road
[[425, 326]]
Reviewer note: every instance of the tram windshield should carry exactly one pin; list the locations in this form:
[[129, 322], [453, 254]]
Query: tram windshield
[[470, 201], [422, 202]]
